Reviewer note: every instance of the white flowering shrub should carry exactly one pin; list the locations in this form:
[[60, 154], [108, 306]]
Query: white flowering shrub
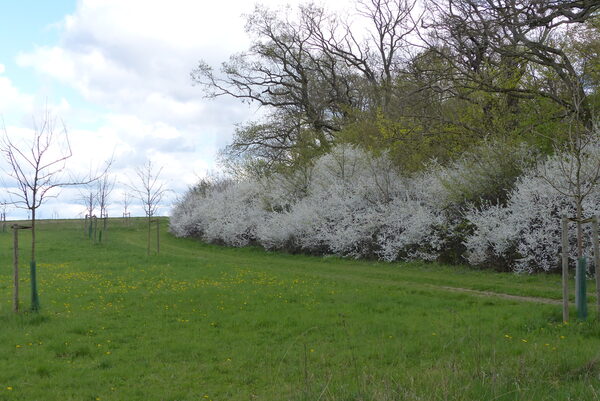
[[342, 222], [493, 239], [351, 203], [408, 231], [341, 211], [234, 214], [228, 214], [526, 234], [184, 216]]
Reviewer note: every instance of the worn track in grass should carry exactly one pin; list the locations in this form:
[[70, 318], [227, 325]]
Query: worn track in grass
[[349, 275], [538, 300]]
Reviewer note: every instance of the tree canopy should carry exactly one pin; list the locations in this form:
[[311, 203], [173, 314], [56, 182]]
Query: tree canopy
[[417, 80]]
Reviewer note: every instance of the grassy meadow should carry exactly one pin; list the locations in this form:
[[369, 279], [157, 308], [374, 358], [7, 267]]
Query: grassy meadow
[[203, 322]]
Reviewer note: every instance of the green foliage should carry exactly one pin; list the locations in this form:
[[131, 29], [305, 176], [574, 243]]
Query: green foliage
[[204, 322], [583, 43], [404, 139], [485, 174]]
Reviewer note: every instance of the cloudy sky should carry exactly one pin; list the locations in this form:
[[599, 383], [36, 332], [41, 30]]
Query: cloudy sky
[[117, 73]]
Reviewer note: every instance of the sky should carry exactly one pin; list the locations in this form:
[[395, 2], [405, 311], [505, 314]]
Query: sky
[[117, 74]]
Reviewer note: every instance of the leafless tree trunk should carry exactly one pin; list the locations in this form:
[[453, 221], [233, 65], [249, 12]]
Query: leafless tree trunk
[[88, 198], [105, 187]]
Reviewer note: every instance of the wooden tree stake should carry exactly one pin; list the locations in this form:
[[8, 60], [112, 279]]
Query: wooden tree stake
[[16, 228]]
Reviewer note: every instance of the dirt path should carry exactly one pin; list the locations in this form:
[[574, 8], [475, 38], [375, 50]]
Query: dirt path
[[499, 295]]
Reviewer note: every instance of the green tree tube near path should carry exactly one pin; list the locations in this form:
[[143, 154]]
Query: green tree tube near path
[[581, 290], [35, 301]]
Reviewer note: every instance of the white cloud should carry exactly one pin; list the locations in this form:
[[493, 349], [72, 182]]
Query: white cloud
[[130, 61], [136, 55], [12, 100]]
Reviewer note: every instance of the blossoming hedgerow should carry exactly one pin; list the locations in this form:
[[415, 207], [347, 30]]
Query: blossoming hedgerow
[[351, 203]]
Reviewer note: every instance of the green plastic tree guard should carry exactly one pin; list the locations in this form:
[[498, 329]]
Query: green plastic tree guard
[[581, 290], [35, 301]]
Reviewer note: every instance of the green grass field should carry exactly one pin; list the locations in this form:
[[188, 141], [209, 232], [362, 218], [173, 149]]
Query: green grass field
[[202, 322]]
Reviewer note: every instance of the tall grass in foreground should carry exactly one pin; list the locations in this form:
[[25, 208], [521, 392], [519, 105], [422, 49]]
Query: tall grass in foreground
[[201, 322]]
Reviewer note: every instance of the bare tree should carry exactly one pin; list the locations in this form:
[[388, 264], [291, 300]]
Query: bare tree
[[88, 198], [311, 72], [105, 186], [36, 168], [149, 190], [579, 163], [126, 201]]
